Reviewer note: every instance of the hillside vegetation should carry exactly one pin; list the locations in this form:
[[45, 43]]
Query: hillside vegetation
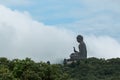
[[87, 69]]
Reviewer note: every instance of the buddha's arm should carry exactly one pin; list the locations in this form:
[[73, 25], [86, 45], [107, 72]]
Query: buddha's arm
[[75, 50]]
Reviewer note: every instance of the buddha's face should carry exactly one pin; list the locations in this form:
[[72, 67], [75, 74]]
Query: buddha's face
[[79, 40]]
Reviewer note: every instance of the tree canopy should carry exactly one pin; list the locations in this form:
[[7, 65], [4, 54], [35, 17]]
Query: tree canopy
[[86, 69]]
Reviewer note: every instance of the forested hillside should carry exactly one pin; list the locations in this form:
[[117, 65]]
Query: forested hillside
[[94, 69], [87, 69]]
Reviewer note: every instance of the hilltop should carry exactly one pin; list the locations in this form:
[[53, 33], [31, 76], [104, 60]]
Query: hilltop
[[86, 69]]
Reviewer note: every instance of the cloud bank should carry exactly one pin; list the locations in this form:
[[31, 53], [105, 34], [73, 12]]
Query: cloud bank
[[103, 47], [21, 37]]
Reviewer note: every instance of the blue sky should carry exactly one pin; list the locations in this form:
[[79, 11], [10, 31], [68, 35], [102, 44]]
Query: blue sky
[[52, 12], [98, 16], [29, 26]]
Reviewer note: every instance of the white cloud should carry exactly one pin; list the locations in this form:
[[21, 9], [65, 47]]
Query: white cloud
[[21, 37], [103, 47]]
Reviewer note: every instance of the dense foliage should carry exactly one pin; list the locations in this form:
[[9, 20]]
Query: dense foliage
[[88, 69], [29, 70], [94, 69]]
